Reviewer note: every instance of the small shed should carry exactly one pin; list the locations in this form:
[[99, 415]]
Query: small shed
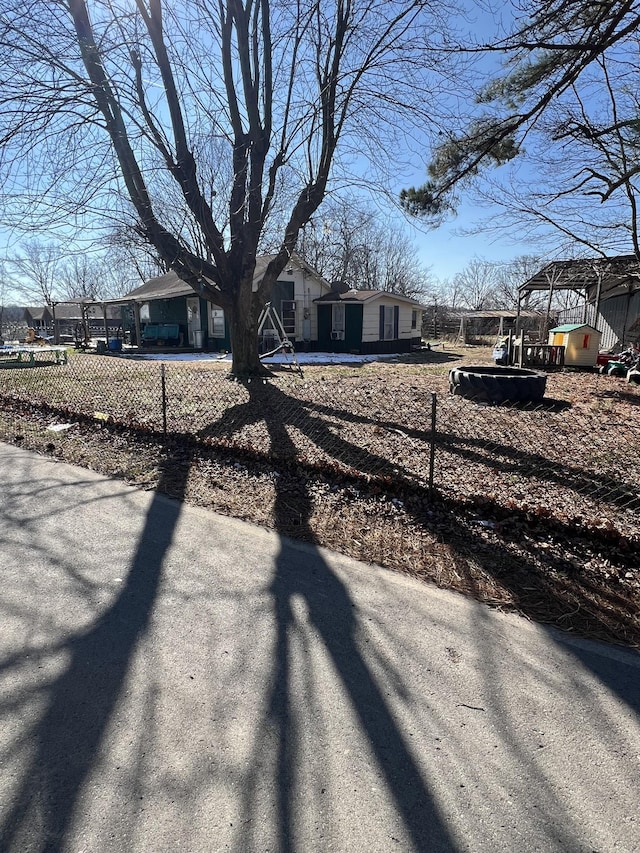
[[581, 343], [367, 321]]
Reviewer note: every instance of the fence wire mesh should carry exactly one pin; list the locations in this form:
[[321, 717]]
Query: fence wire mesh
[[574, 456], [576, 461]]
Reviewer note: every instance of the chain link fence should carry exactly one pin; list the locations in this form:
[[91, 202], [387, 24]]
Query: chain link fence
[[574, 456], [577, 461]]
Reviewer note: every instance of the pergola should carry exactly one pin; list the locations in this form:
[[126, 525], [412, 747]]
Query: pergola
[[84, 304], [593, 278], [492, 314]]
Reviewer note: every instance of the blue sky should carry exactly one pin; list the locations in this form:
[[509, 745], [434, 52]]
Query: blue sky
[[446, 251]]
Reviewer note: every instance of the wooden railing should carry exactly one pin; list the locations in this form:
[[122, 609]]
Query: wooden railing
[[538, 355]]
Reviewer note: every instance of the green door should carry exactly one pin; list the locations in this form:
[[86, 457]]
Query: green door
[[324, 327], [353, 328]]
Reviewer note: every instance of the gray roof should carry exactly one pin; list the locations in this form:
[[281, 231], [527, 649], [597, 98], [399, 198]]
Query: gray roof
[[366, 296], [61, 311], [165, 286], [67, 311], [38, 313], [170, 285], [582, 274]]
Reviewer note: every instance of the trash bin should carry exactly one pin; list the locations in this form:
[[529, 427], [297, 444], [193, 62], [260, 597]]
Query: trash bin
[[115, 345], [198, 338], [101, 347]]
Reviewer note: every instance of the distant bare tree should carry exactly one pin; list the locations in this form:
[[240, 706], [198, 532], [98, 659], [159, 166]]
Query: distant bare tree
[[449, 293], [79, 277], [106, 274], [477, 285], [134, 259], [354, 244], [510, 275], [37, 268]]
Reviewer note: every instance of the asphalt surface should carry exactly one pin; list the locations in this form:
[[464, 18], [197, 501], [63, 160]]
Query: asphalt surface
[[172, 680]]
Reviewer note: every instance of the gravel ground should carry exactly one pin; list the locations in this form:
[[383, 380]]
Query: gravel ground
[[533, 510]]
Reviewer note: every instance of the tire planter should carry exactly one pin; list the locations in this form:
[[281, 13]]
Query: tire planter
[[498, 384]]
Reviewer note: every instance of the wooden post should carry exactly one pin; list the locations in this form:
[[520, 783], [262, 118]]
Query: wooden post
[[597, 304], [519, 335], [106, 325], [136, 320], [84, 312], [547, 320]]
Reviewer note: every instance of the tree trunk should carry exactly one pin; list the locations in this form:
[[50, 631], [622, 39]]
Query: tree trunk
[[243, 330]]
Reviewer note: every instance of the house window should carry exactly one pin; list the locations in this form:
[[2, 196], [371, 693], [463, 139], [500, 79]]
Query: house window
[[585, 342], [388, 324], [414, 319], [145, 313], [288, 315], [337, 317], [216, 322]]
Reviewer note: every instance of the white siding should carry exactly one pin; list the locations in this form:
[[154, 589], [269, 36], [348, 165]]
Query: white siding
[[371, 319], [306, 288]]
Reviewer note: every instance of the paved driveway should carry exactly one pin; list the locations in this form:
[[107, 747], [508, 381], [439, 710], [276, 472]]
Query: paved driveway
[[172, 680]]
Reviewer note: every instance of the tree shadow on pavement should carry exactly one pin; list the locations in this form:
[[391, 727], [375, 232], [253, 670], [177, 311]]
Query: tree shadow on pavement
[[549, 597], [82, 699], [332, 613]]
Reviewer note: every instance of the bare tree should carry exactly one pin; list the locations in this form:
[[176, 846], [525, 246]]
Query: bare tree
[[448, 293], [279, 88], [79, 277], [510, 275], [358, 246], [37, 268], [477, 285], [402, 272]]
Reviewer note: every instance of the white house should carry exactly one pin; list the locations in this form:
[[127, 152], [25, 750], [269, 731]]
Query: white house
[[314, 314]]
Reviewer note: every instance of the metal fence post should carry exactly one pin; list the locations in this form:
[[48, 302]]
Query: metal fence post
[[432, 443], [163, 384]]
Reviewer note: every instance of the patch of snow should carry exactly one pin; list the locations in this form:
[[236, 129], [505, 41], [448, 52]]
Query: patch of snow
[[302, 357]]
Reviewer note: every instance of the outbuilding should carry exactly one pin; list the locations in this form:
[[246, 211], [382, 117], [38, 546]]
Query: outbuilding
[[581, 343], [367, 321]]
